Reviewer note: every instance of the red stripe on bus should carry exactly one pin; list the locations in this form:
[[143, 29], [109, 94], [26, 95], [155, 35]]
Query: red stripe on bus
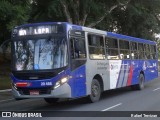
[[130, 76]]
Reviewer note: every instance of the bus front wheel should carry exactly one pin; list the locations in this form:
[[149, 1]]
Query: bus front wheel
[[51, 100], [95, 91]]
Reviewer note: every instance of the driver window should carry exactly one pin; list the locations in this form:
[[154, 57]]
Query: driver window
[[77, 48]]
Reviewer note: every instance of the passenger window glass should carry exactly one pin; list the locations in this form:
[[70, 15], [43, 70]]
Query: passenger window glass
[[78, 48], [96, 47], [124, 49], [147, 51], [134, 50], [141, 51], [153, 52], [112, 48]]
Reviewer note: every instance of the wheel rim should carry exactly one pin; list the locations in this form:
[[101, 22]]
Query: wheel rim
[[95, 90]]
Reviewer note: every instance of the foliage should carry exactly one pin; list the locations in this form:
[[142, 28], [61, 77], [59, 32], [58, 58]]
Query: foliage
[[139, 18], [12, 13]]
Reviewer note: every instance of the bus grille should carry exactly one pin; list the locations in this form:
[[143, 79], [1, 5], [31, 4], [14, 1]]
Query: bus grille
[[42, 91], [38, 76]]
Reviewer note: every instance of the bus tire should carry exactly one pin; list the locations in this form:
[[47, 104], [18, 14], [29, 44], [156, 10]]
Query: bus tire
[[95, 91], [51, 100], [140, 85]]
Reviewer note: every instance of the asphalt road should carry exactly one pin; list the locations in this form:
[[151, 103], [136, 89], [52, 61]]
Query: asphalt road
[[123, 99]]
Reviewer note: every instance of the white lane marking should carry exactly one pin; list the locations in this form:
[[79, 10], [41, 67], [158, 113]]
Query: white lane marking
[[112, 107], [156, 89], [6, 90], [6, 100]]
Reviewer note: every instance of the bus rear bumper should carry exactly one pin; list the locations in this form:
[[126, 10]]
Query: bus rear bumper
[[63, 91]]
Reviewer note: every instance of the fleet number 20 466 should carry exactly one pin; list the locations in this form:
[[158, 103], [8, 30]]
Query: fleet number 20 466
[[46, 83]]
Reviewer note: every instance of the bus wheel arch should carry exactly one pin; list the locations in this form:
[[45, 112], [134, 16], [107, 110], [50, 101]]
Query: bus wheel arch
[[141, 80], [100, 80], [96, 89], [142, 72]]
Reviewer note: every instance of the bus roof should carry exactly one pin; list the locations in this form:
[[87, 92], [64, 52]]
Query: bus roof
[[113, 35], [108, 34], [125, 37]]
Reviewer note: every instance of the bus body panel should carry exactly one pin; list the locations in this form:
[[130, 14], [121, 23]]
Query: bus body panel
[[114, 73], [128, 38], [150, 69], [65, 91], [78, 81], [62, 92], [93, 68]]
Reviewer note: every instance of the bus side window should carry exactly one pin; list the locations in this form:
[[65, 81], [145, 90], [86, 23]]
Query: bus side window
[[112, 48], [141, 51], [77, 48], [124, 49], [147, 51], [134, 50], [96, 46], [153, 52]]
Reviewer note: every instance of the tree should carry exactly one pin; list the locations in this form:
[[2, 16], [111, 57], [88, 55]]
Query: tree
[[46, 10], [81, 12], [12, 13], [139, 19]]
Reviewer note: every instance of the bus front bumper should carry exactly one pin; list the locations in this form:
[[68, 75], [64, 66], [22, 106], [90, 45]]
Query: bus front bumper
[[64, 91]]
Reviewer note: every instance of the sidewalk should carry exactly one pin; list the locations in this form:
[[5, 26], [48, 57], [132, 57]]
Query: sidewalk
[[5, 96]]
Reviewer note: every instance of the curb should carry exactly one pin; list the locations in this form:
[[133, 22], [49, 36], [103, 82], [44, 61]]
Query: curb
[[6, 90]]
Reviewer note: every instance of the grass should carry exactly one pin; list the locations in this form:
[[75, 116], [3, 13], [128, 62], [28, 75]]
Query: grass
[[5, 82]]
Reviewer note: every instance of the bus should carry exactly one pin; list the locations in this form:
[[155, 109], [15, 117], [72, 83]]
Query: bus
[[56, 60]]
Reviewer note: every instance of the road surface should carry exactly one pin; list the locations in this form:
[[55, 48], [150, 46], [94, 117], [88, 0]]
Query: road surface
[[123, 99]]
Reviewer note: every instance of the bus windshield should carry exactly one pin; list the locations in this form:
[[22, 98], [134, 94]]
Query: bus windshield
[[40, 54]]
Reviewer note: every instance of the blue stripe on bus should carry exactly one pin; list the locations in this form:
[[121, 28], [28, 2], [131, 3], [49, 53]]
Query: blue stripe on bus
[[128, 38], [78, 81], [150, 72]]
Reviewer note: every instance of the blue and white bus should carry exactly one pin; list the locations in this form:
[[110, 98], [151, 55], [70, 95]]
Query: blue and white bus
[[60, 60]]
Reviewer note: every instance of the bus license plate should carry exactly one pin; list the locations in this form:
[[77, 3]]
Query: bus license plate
[[34, 92]]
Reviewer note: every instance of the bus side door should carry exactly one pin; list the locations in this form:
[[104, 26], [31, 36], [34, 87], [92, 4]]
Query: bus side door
[[78, 60]]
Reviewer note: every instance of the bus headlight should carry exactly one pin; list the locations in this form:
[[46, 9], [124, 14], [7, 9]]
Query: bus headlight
[[60, 82], [64, 80]]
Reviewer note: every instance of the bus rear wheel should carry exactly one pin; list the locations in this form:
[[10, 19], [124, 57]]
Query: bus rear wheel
[[140, 85], [51, 100], [95, 91]]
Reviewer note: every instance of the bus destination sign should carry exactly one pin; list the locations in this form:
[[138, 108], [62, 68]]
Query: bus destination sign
[[38, 30]]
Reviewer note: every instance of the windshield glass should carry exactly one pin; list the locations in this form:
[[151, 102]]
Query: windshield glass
[[40, 54]]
